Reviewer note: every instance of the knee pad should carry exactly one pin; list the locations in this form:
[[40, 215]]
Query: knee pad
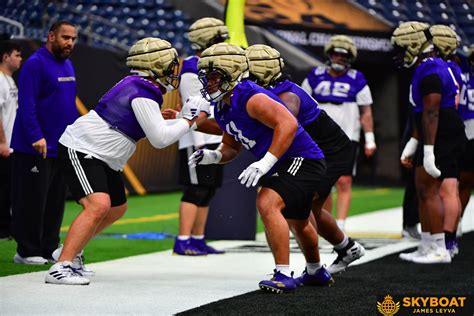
[[198, 195]]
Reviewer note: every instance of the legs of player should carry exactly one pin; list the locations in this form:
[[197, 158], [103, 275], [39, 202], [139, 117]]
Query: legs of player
[[343, 201]]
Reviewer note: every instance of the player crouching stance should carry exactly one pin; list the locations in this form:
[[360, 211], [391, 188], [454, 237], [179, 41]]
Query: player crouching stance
[[257, 119], [94, 149]]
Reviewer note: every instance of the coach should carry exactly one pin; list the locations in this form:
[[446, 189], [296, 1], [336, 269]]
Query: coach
[[46, 105]]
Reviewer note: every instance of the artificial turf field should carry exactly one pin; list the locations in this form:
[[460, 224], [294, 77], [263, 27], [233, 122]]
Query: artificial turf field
[[355, 291], [159, 213]]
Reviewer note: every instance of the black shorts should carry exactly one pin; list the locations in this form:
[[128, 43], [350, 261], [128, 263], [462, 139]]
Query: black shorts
[[466, 160], [296, 181], [339, 151], [86, 175], [449, 144], [202, 175]]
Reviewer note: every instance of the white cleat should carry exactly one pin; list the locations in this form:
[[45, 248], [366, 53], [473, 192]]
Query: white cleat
[[77, 262], [409, 256], [434, 255], [346, 256], [29, 260], [63, 273]]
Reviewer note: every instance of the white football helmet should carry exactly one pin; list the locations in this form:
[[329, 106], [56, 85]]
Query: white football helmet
[[410, 39], [221, 67], [156, 58], [206, 32], [265, 64]]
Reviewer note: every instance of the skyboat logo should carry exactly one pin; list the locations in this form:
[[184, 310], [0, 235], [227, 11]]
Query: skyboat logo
[[425, 305], [388, 307]]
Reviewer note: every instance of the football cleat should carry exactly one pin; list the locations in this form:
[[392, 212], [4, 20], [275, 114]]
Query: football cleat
[[36, 260], [346, 256], [64, 273], [200, 244], [434, 255], [420, 251], [279, 283], [452, 247], [184, 248], [77, 262], [321, 278]]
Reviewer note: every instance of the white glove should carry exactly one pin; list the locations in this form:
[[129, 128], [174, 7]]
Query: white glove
[[204, 157], [370, 140], [429, 161], [410, 149], [191, 108], [256, 170]]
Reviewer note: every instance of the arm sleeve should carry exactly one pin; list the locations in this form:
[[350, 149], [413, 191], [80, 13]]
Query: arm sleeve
[[189, 86], [430, 84], [28, 92], [160, 132]]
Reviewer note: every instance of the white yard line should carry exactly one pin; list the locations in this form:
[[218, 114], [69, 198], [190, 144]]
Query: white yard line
[[162, 284]]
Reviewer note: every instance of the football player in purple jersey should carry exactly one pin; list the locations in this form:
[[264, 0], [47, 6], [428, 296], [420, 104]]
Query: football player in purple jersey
[[292, 163], [439, 135], [345, 95], [94, 149]]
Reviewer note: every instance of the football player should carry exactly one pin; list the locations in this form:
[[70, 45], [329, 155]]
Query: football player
[[344, 94]]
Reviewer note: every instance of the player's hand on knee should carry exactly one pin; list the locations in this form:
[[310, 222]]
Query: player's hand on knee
[[253, 173], [204, 157], [429, 161]]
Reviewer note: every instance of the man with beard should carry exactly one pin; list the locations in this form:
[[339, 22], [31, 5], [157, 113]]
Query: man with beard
[[46, 105]]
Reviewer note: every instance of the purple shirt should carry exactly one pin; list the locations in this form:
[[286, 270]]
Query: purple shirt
[[253, 135], [309, 110], [46, 102], [328, 89], [434, 66], [115, 107]]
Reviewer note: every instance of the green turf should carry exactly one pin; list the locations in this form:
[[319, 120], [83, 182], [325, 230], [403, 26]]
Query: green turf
[[101, 249]]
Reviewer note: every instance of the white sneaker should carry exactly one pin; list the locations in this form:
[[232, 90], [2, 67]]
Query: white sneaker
[[77, 262], [63, 273], [420, 251], [434, 255], [29, 260], [346, 256]]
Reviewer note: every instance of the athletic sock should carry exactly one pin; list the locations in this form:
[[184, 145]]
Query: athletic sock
[[439, 240], [183, 237], [284, 269], [199, 237], [449, 236], [343, 243], [426, 239], [341, 223], [312, 268]]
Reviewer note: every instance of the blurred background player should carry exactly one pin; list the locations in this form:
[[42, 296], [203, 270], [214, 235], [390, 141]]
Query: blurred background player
[[200, 181], [46, 105], [266, 69], [256, 119], [344, 94], [10, 61], [439, 131], [466, 110], [94, 149]]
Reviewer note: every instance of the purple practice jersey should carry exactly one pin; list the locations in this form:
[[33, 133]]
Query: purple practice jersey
[[115, 107], [253, 135], [434, 66], [337, 90], [466, 99], [309, 110], [457, 73]]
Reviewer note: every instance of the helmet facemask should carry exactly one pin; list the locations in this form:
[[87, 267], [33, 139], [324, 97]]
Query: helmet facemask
[[216, 83], [347, 59], [170, 78]]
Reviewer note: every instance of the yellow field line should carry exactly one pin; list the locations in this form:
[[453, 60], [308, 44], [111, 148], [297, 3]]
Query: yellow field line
[[149, 219]]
